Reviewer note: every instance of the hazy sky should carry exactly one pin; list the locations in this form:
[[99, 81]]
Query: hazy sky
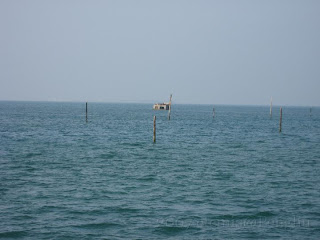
[[213, 52]]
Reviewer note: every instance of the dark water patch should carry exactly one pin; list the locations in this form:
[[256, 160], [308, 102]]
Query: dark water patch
[[99, 225], [50, 208], [110, 155], [13, 234], [24, 139], [222, 176], [236, 146], [170, 230], [31, 155], [23, 217]]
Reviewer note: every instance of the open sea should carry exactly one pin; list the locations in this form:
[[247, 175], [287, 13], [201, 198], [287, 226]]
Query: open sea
[[229, 177]]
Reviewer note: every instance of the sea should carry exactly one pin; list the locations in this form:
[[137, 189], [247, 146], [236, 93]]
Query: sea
[[228, 176]]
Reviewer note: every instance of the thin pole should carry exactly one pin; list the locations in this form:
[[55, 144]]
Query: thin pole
[[154, 129], [280, 120], [86, 111], [271, 107], [214, 112]]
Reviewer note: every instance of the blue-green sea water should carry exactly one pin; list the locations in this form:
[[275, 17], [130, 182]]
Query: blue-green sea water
[[229, 177]]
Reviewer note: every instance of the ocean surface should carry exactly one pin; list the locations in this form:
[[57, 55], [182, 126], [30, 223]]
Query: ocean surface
[[229, 177]]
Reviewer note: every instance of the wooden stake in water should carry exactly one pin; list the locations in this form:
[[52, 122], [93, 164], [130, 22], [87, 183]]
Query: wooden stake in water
[[154, 129], [280, 128], [271, 107], [86, 111], [169, 114]]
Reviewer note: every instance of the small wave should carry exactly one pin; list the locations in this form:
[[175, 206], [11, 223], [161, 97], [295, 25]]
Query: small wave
[[236, 146], [86, 212], [22, 140], [97, 225], [30, 155], [246, 216], [108, 155], [22, 217], [126, 210], [265, 214], [135, 144], [148, 178]]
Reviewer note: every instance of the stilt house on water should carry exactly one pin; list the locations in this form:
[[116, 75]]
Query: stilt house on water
[[163, 106]]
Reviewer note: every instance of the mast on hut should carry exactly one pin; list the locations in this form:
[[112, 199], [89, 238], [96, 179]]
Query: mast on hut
[[169, 107]]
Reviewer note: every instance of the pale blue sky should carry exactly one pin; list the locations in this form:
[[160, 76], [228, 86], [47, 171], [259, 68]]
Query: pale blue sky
[[211, 52]]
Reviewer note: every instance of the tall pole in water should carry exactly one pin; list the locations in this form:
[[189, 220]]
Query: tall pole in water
[[280, 127], [169, 114], [214, 112], [86, 111], [154, 129], [271, 107]]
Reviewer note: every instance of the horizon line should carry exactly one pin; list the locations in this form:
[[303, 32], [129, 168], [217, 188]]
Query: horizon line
[[141, 102]]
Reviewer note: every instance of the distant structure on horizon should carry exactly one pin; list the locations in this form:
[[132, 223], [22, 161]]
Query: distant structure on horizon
[[163, 106]]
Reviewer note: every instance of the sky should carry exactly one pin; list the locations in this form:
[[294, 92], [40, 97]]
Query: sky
[[203, 52]]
